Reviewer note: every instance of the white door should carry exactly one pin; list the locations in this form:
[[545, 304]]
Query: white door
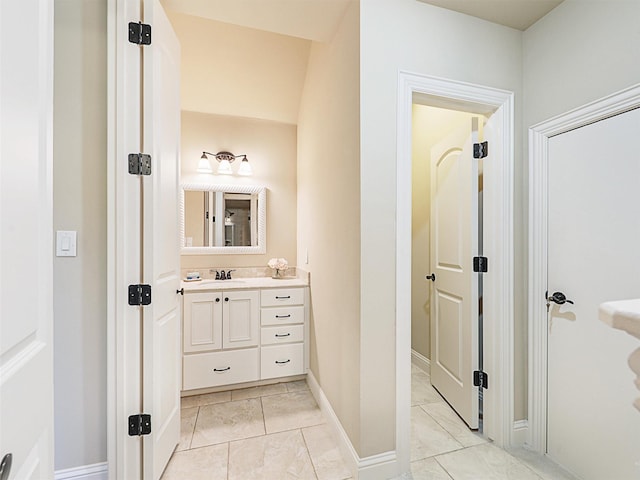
[[26, 238], [454, 233], [594, 256], [161, 370]]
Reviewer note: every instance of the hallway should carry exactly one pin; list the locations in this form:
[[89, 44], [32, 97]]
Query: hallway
[[277, 432]]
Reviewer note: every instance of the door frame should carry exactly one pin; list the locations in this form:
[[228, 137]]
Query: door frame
[[124, 323], [498, 328], [539, 135]]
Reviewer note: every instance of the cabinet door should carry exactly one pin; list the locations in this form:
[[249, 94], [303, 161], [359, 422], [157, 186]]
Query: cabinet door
[[241, 319], [202, 321]]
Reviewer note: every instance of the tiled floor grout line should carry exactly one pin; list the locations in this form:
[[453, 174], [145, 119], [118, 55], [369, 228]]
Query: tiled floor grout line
[[306, 446], [193, 432], [228, 459], [442, 467]]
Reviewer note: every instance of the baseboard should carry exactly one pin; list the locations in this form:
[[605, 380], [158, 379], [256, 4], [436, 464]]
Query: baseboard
[[519, 433], [420, 361], [375, 467], [97, 471]]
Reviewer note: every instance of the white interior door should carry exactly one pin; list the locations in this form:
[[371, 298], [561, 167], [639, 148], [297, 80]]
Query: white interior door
[[161, 265], [454, 232], [26, 240], [594, 256]]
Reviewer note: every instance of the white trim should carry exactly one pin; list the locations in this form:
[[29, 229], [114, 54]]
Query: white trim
[[97, 471], [539, 136], [123, 239], [420, 361], [499, 283], [262, 219], [375, 467], [520, 433]]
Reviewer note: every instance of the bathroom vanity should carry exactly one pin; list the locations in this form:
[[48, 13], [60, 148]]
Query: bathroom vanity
[[244, 330]]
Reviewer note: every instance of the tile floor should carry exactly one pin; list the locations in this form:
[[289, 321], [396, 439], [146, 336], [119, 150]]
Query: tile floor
[[277, 432]]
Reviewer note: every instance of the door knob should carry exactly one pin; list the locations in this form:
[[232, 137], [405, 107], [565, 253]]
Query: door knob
[[431, 277], [557, 297], [5, 466]]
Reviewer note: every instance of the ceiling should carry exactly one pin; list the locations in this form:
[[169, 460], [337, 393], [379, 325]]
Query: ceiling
[[518, 14], [318, 19], [309, 19]]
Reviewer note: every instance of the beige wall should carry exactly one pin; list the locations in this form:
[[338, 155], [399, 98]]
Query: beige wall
[[80, 203], [405, 35], [329, 217], [271, 149], [429, 126], [232, 70]]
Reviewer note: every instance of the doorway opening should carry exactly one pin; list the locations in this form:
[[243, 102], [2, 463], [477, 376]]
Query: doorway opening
[[498, 282]]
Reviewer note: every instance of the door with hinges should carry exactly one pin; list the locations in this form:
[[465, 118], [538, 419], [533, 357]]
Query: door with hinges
[[453, 243], [593, 256], [162, 360], [144, 329], [26, 237]]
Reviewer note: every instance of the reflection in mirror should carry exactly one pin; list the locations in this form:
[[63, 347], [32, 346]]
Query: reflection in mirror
[[223, 219]]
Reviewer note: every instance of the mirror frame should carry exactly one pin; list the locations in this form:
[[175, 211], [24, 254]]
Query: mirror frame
[[261, 248]]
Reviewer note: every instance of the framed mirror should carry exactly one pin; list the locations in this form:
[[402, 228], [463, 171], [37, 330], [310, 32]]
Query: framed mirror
[[223, 219]]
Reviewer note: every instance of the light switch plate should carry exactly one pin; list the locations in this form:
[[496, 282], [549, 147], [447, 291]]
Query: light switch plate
[[66, 243]]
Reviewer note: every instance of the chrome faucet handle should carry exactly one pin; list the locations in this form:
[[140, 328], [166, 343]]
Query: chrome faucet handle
[[229, 274], [218, 275]]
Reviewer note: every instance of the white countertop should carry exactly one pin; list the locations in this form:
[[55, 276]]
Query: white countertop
[[243, 283], [623, 315]]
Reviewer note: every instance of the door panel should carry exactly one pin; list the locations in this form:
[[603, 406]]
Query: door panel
[[454, 310], [161, 266], [594, 233], [26, 210], [241, 319], [202, 322]]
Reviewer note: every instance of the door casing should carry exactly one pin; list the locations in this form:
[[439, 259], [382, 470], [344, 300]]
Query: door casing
[[498, 205], [539, 136]]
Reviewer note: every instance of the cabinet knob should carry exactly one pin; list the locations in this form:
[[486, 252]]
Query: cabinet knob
[[217, 299], [226, 299]]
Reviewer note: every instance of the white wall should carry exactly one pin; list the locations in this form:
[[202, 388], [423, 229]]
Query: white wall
[[80, 203], [411, 36], [329, 216], [271, 149], [581, 51], [239, 71]]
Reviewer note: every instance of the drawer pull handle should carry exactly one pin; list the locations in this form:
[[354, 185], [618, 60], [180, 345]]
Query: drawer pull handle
[[283, 316], [283, 298], [221, 369], [283, 335], [281, 363]]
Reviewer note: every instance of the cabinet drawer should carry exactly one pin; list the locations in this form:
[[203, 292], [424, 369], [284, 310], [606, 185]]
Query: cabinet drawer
[[220, 368], [282, 360], [281, 316], [283, 334], [273, 297]]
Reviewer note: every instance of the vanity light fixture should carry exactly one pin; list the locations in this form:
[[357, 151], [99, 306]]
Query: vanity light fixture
[[225, 159]]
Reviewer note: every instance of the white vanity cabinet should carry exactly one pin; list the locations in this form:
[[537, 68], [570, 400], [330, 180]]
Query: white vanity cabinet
[[243, 335], [221, 335], [283, 332]]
